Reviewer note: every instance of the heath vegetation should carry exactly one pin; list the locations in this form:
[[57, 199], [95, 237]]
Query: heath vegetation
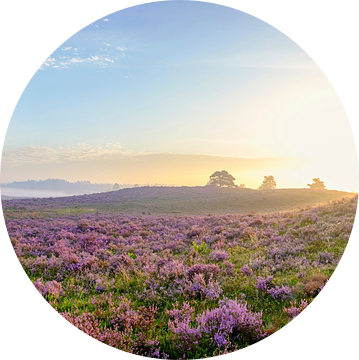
[[177, 286]]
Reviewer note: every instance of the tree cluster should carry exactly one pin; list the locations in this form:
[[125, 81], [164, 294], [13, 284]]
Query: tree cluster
[[224, 179]]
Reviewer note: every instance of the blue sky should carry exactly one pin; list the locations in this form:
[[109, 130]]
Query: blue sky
[[178, 77]]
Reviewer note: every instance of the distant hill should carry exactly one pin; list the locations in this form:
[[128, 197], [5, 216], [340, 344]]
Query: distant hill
[[60, 185], [180, 200]]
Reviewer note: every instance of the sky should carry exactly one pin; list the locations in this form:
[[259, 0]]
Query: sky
[[171, 92]]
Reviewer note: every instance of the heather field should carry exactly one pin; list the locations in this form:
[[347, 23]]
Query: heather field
[[177, 285]]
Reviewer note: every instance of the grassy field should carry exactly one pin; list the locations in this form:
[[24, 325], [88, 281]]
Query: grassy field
[[179, 200]]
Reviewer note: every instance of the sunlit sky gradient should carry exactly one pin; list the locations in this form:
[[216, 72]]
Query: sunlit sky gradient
[[188, 78]]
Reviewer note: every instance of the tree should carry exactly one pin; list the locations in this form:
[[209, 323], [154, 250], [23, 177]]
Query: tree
[[317, 184], [268, 183], [115, 187], [222, 179]]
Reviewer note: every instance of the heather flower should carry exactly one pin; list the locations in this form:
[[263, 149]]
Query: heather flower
[[198, 287], [181, 314], [258, 221], [49, 290], [88, 323], [325, 257], [245, 270], [227, 349], [231, 322], [301, 274], [219, 255], [210, 270], [172, 270], [124, 316], [39, 265], [293, 310], [151, 291], [283, 292], [187, 336], [195, 231], [263, 284], [227, 267], [83, 224]]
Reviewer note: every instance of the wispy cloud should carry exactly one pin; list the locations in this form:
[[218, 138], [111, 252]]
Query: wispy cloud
[[48, 154], [106, 19], [63, 62], [49, 62]]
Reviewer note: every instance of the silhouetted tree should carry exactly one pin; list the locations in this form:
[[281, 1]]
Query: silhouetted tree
[[242, 186], [268, 183], [222, 179], [115, 187], [317, 184]]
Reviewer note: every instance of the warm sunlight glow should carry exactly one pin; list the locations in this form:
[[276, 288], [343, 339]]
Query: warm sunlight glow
[[170, 110]]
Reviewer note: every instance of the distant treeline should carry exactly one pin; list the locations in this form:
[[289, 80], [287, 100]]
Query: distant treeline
[[81, 187], [60, 185]]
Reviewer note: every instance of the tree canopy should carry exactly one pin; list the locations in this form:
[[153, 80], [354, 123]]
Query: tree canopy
[[222, 179], [268, 183], [317, 184], [116, 187]]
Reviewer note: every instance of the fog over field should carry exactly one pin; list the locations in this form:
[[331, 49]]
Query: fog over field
[[13, 193]]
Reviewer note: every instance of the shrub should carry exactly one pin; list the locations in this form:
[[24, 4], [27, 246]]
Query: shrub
[[187, 337], [49, 290], [199, 288], [88, 323], [231, 322], [314, 284], [283, 292], [245, 270], [325, 257], [263, 284], [293, 310], [219, 255]]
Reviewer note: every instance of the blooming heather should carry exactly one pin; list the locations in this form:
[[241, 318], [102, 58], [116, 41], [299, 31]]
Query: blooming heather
[[219, 255], [167, 286], [295, 310]]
